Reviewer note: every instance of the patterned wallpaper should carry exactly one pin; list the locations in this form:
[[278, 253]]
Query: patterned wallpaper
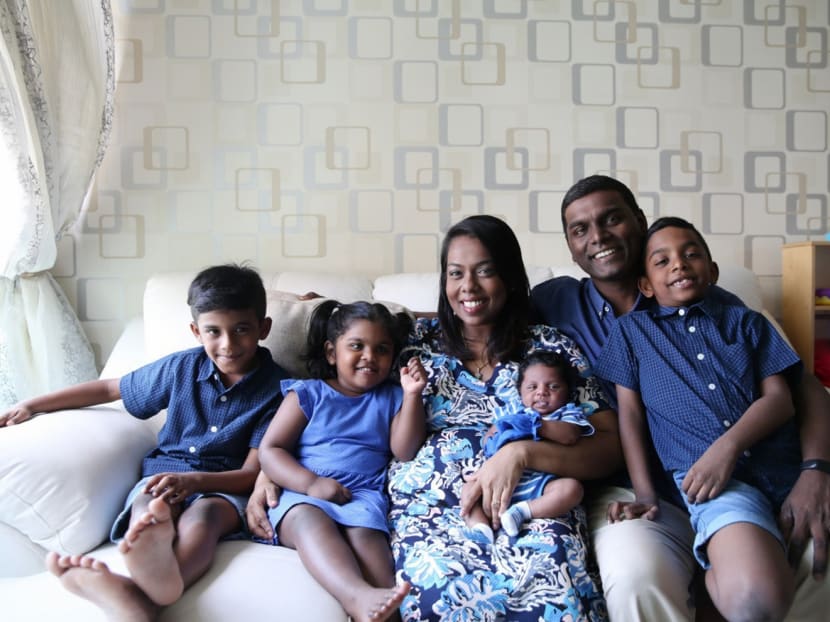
[[346, 135]]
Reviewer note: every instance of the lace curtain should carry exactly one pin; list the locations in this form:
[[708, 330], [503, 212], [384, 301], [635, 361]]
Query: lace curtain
[[57, 78]]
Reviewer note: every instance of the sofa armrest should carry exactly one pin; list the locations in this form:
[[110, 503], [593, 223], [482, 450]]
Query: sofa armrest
[[65, 475]]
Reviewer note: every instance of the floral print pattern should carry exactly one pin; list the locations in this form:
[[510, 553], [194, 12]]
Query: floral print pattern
[[545, 573]]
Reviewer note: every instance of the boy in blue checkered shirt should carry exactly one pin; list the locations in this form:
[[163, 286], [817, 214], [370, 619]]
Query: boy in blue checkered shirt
[[709, 385], [219, 398]]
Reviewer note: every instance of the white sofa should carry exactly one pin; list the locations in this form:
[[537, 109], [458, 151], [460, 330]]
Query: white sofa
[[63, 476]]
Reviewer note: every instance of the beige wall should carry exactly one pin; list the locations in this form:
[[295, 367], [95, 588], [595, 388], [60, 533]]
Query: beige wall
[[345, 135]]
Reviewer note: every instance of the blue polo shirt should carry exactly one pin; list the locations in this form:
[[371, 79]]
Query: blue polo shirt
[[578, 309], [698, 369], [208, 427]]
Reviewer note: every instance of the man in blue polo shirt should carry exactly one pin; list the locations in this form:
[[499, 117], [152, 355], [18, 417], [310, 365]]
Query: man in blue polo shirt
[[604, 229]]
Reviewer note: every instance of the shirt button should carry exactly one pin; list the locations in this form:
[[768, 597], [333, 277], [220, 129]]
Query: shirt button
[[726, 423], [700, 356], [192, 449], [213, 428], [712, 387], [224, 398], [747, 453], [681, 312], [692, 329]]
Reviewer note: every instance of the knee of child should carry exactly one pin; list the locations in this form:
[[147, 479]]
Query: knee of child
[[755, 605]]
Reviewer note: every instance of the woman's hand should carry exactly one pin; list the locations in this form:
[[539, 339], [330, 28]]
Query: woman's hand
[[494, 483], [265, 494]]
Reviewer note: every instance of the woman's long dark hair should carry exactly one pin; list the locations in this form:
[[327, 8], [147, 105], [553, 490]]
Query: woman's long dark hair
[[510, 330]]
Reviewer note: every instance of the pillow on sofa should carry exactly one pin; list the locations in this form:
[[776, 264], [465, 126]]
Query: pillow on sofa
[[289, 325], [87, 462]]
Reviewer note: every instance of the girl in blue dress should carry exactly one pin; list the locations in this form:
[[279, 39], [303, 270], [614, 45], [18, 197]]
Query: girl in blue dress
[[328, 447]]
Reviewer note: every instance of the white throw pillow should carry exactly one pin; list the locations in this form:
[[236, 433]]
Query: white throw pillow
[[65, 475]]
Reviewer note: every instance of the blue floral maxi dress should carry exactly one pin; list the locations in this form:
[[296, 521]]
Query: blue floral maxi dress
[[545, 573]]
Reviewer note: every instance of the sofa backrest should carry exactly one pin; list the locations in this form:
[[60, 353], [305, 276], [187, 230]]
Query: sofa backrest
[[167, 316]]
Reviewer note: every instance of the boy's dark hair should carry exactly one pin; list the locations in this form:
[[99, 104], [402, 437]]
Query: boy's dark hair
[[227, 287], [331, 319], [680, 223], [554, 360], [597, 183], [511, 326]]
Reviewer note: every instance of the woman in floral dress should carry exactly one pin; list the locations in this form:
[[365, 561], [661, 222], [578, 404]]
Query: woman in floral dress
[[471, 353]]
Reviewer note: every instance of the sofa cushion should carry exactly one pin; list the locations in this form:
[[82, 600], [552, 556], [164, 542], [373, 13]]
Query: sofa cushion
[[88, 460]]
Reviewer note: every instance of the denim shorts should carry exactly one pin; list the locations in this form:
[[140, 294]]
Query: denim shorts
[[122, 522], [738, 503]]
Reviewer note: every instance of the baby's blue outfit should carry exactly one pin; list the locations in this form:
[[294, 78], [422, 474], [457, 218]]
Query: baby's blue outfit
[[514, 424], [347, 439]]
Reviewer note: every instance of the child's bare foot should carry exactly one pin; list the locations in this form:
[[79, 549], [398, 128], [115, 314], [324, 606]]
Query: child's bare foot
[[148, 552], [378, 604], [91, 579]]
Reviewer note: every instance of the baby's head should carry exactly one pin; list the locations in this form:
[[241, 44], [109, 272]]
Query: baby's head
[[227, 303], [543, 381], [355, 343]]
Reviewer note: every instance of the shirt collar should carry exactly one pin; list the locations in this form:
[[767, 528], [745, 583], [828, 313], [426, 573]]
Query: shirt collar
[[602, 307], [709, 305]]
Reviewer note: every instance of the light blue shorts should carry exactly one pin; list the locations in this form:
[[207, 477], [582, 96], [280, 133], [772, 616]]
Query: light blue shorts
[[738, 503], [122, 522]]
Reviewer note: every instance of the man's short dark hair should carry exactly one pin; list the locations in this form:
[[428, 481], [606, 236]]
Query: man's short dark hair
[[227, 287], [597, 183]]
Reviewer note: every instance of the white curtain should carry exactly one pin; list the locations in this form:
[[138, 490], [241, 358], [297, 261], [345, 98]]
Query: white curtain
[[57, 78]]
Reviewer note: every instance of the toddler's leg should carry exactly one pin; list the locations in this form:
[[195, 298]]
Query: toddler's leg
[[329, 558], [91, 579], [560, 496], [749, 578], [148, 551]]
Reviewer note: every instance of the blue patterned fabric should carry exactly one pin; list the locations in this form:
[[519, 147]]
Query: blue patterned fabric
[[545, 573], [513, 425], [698, 369], [208, 427]]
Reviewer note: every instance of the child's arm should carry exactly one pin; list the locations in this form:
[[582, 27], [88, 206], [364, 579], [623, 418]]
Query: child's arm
[[77, 396], [279, 463], [176, 487], [708, 476], [409, 428], [562, 432], [633, 435]]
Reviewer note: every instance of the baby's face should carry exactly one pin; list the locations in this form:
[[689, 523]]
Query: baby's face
[[543, 389]]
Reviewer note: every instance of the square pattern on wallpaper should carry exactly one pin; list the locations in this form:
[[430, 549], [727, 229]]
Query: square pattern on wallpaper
[[348, 135]]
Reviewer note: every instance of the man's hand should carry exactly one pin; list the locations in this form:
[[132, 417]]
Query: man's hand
[[805, 514], [639, 508]]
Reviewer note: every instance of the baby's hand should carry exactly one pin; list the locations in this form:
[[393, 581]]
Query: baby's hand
[[16, 414], [330, 490], [413, 376]]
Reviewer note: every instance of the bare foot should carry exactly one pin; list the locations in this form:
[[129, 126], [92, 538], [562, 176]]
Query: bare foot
[[92, 580], [148, 552], [378, 604]]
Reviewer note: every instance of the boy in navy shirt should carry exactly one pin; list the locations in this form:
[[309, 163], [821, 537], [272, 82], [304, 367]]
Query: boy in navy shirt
[[707, 383], [219, 398]]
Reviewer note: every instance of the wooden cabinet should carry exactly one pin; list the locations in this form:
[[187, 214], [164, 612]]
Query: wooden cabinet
[[805, 266]]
